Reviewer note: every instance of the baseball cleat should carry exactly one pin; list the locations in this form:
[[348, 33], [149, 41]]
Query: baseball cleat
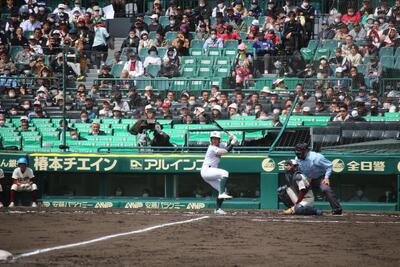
[[12, 205], [219, 212], [337, 212], [34, 205], [224, 195]]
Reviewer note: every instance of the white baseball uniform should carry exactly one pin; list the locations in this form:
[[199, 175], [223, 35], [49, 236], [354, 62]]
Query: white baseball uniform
[[302, 183], [24, 180], [210, 171]]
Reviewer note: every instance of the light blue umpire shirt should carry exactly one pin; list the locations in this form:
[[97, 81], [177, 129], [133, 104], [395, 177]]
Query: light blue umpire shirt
[[315, 165]]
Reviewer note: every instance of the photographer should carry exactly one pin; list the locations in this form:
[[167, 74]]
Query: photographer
[[149, 124]]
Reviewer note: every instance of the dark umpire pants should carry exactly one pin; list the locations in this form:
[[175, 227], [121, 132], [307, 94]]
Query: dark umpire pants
[[316, 184]]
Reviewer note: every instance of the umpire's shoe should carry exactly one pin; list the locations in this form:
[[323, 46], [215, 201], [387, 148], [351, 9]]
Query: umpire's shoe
[[337, 212]]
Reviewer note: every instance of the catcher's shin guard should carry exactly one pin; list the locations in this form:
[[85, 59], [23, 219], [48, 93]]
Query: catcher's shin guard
[[284, 197]]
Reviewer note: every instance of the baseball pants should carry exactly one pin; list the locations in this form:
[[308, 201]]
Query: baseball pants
[[213, 176]]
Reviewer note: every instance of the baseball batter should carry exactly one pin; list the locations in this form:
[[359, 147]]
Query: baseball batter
[[22, 181], [210, 172], [1, 189], [297, 196]]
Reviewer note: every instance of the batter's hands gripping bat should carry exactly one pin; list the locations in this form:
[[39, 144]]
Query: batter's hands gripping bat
[[233, 138]]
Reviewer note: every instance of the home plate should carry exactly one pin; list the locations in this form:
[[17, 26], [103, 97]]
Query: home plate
[[5, 255]]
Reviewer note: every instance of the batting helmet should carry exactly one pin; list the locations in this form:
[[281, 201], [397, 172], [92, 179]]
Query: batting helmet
[[291, 162], [215, 134], [22, 160]]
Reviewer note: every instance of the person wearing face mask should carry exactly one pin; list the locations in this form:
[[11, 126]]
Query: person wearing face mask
[[343, 114], [289, 6], [38, 111], [309, 13], [219, 8], [374, 72], [145, 42], [171, 10], [318, 169], [384, 8], [118, 102], [351, 16], [213, 41], [159, 41], [204, 10], [10, 94], [173, 25], [134, 66], [131, 41], [152, 58], [170, 65]]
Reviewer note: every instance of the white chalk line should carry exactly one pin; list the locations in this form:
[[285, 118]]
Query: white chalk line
[[320, 221], [78, 244]]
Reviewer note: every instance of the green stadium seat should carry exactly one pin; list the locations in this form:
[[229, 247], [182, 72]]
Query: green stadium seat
[[143, 53], [205, 61], [170, 36], [222, 71], [161, 51], [387, 62], [31, 141], [397, 53], [331, 45], [223, 61], [313, 44], [164, 21], [243, 35], [307, 53], [197, 44], [15, 50], [50, 136], [188, 71], [116, 70], [111, 121], [386, 52], [147, 20], [230, 52], [9, 141], [188, 60], [28, 33], [231, 44], [153, 70], [321, 52], [196, 51], [205, 71], [152, 35], [214, 51]]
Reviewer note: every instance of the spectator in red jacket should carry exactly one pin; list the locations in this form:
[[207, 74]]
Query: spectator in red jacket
[[351, 16]]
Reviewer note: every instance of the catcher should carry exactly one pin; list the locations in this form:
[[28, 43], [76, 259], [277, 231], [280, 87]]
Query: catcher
[[22, 181], [297, 195]]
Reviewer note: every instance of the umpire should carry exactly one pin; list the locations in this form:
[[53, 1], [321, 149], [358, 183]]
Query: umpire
[[317, 168]]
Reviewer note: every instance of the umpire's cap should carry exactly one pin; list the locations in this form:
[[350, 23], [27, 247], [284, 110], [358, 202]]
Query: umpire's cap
[[301, 147]]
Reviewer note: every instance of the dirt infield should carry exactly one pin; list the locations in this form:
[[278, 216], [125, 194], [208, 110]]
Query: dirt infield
[[241, 238]]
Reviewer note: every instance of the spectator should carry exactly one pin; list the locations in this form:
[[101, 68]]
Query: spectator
[[340, 61], [351, 16], [105, 75], [118, 102], [354, 56], [204, 10], [292, 32], [117, 113], [221, 7], [238, 24], [95, 130], [106, 111], [265, 49], [154, 25], [132, 41], [84, 117], [358, 33], [233, 110], [374, 72], [160, 41], [171, 10], [38, 111], [31, 23], [357, 78], [213, 41], [276, 121], [343, 114], [19, 39], [145, 42], [134, 66], [24, 124], [99, 46], [152, 58], [170, 65], [392, 38]]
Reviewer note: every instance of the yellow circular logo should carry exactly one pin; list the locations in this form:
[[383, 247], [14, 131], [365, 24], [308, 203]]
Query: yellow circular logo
[[337, 165], [268, 165]]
